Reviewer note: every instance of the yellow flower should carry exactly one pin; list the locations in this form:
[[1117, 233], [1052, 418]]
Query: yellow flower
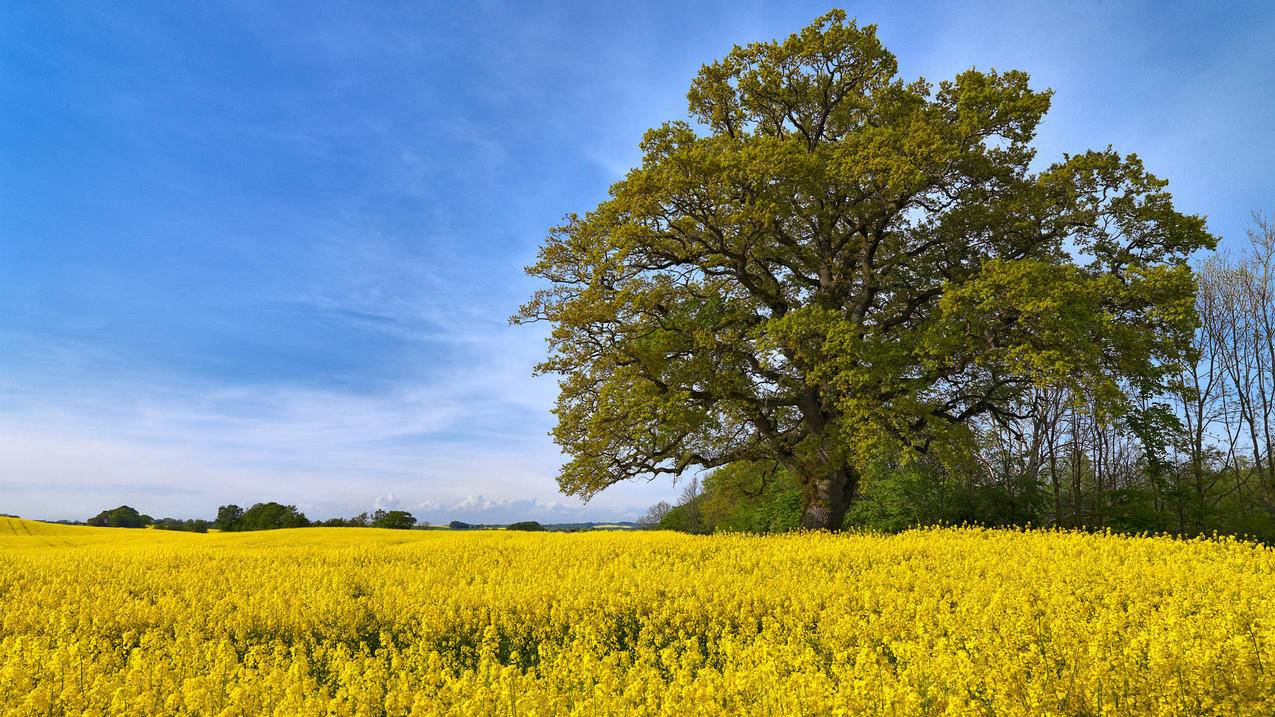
[[363, 622]]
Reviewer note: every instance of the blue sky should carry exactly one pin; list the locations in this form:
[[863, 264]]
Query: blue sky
[[255, 251]]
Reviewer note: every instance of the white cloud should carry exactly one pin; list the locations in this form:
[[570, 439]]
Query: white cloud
[[481, 509], [389, 502], [470, 439]]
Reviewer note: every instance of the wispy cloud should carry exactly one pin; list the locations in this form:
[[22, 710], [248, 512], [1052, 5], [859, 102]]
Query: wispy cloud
[[468, 421]]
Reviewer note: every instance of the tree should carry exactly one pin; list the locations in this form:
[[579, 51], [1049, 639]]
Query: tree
[[838, 263], [228, 517], [191, 525], [458, 525], [121, 517], [528, 525], [396, 519], [688, 513], [654, 515], [271, 516], [750, 497]]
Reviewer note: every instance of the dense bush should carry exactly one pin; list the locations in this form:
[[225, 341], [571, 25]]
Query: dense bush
[[897, 495], [747, 497]]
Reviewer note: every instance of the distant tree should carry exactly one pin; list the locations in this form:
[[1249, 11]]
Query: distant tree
[[228, 517], [272, 516], [655, 514], [528, 525], [688, 515], [188, 526], [690, 510], [691, 491], [395, 519], [458, 525], [121, 517], [835, 263]]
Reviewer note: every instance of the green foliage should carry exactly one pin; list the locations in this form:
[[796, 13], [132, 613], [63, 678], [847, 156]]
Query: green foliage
[[228, 517], [392, 519], [395, 519], [262, 516], [121, 517], [897, 496], [189, 526], [750, 497], [528, 525], [900, 495], [354, 522], [684, 518], [843, 263]]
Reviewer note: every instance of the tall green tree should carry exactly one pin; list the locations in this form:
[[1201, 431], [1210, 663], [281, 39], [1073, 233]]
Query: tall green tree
[[397, 519], [121, 517], [228, 517], [832, 262], [269, 516]]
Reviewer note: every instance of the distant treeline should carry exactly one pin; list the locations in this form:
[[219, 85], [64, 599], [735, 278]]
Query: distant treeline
[[523, 525], [274, 516], [127, 517], [395, 519], [261, 516]]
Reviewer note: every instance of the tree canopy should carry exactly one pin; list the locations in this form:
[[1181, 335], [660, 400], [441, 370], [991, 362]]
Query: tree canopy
[[833, 262], [525, 525], [121, 517], [396, 519], [228, 517], [261, 516]]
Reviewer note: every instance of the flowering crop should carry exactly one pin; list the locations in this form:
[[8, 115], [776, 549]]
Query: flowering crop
[[367, 622]]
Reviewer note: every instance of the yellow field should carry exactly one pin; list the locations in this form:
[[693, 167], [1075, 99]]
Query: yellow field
[[370, 622]]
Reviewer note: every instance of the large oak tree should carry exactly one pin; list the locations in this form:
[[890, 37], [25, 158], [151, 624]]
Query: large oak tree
[[832, 260]]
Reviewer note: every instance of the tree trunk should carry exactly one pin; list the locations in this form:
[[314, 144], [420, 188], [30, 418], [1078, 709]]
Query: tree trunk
[[827, 500], [1053, 479]]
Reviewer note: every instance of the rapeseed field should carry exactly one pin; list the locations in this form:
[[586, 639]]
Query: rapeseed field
[[367, 622]]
